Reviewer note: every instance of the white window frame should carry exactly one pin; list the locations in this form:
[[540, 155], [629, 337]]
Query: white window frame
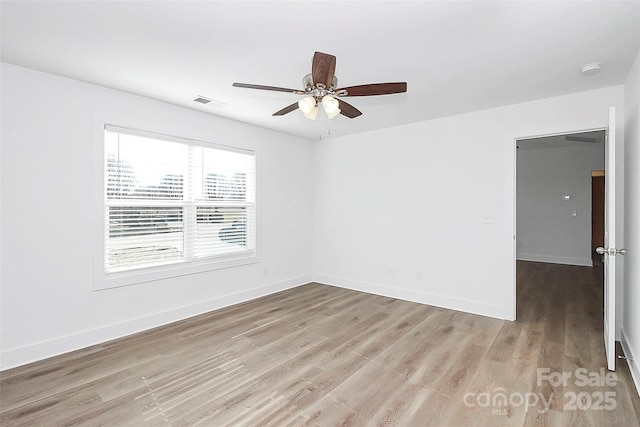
[[102, 279]]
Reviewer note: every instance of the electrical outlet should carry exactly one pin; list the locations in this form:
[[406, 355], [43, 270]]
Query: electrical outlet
[[391, 272], [418, 275], [265, 271]]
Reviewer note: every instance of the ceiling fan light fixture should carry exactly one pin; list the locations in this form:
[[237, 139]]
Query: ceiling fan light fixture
[[330, 104], [312, 114], [333, 114], [307, 105]]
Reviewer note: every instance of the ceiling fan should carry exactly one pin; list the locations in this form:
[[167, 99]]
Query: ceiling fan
[[320, 87]]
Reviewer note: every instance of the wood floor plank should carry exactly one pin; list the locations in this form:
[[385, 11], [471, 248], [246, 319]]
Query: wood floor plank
[[412, 353], [506, 341], [410, 405], [319, 355]]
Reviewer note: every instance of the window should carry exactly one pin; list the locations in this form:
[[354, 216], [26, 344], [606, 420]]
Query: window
[[171, 202]]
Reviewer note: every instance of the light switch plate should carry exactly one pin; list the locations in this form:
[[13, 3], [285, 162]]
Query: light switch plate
[[488, 219]]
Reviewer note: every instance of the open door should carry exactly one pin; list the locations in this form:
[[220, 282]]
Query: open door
[[609, 250]]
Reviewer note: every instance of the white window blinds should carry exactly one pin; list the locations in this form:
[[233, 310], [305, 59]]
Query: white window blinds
[[169, 200]]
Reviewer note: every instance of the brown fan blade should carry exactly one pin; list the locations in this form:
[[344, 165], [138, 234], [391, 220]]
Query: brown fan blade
[[274, 88], [373, 89], [348, 110], [323, 68], [286, 109]]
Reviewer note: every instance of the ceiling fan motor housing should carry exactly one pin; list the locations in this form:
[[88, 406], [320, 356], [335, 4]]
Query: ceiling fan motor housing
[[319, 90]]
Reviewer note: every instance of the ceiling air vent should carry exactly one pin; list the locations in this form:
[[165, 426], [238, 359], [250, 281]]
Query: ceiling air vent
[[581, 139], [211, 102], [202, 100]]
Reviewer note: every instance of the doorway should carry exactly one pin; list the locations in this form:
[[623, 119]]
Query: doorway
[[554, 221], [554, 197]]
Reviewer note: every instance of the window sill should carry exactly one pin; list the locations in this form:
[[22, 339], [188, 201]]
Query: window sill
[[150, 274]]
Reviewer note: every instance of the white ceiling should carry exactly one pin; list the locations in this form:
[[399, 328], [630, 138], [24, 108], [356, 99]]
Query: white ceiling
[[455, 56]]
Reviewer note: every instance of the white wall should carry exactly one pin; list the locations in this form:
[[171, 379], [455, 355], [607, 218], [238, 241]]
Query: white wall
[[47, 304], [631, 319], [436, 199], [547, 230]]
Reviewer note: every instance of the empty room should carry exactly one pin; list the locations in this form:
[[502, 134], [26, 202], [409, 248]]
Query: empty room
[[278, 213]]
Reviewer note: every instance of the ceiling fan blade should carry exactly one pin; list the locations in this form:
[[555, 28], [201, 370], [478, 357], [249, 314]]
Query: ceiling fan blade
[[373, 89], [323, 68], [286, 109], [349, 110], [274, 88]]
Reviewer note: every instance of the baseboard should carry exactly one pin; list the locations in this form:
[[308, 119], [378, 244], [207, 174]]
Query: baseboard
[[583, 262], [21, 356], [458, 304], [632, 359]]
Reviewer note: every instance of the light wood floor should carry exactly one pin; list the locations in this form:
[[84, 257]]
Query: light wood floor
[[319, 355]]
